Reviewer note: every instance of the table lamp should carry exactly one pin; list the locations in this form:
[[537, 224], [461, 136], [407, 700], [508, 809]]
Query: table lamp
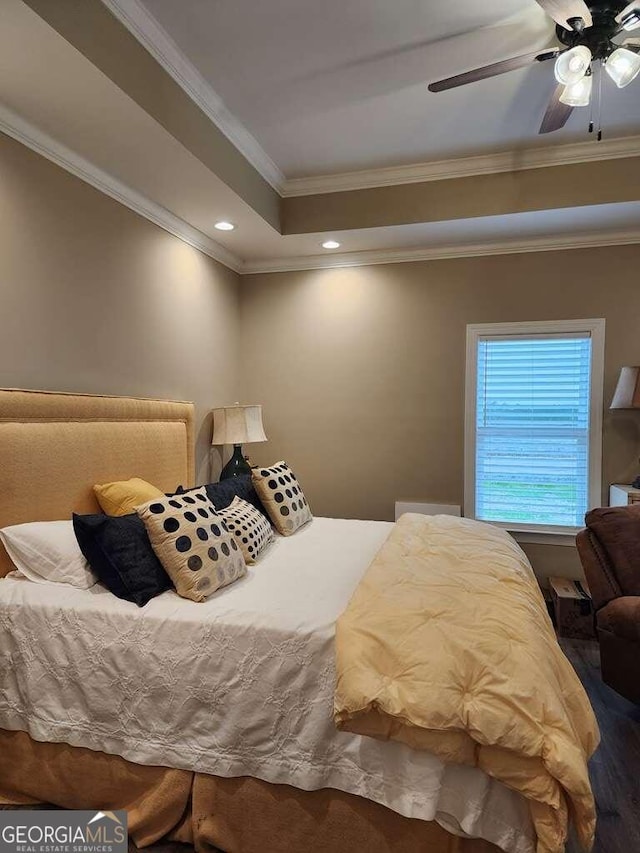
[[627, 396], [237, 425]]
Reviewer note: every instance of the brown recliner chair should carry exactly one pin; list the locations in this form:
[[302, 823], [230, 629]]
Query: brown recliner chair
[[609, 549]]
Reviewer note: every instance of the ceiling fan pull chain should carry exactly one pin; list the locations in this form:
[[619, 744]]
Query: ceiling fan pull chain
[[600, 70]]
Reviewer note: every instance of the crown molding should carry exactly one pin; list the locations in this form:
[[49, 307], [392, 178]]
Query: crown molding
[[437, 253], [18, 128], [144, 27], [482, 164]]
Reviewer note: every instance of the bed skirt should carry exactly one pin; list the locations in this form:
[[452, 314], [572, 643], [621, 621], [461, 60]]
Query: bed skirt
[[241, 815]]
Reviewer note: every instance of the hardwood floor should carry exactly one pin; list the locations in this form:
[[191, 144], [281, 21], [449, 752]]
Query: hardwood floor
[[615, 768]]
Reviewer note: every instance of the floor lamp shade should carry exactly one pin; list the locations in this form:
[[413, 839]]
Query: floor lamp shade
[[237, 425], [627, 395]]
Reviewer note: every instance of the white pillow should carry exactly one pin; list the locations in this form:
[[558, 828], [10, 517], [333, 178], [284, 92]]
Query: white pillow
[[48, 552]]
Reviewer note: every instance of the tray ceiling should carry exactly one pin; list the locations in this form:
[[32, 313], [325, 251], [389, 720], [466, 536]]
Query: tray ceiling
[[64, 92], [341, 86]]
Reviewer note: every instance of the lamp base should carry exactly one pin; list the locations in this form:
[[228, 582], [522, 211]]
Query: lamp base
[[236, 466]]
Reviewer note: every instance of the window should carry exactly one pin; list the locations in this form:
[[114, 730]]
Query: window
[[534, 424]]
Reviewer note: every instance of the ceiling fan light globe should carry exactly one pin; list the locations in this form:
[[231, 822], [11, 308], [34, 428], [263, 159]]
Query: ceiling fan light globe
[[573, 64], [623, 66], [578, 94]]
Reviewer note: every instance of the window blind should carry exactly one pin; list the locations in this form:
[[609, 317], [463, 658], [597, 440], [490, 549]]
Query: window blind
[[532, 429]]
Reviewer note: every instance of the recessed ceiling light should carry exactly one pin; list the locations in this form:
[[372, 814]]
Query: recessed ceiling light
[[331, 244], [224, 226]]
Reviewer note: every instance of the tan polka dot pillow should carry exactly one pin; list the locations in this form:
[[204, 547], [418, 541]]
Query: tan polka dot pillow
[[249, 528], [282, 497], [193, 543]]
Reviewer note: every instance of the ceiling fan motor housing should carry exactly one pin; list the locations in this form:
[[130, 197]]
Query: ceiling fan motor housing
[[598, 37]]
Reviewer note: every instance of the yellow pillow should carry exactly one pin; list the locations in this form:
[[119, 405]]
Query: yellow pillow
[[124, 496]]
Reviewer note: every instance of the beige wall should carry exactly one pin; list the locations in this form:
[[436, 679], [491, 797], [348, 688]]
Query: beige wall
[[91, 28], [499, 193], [361, 370], [96, 299]]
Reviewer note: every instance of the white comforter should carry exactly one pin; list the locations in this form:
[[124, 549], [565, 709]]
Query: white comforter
[[240, 685]]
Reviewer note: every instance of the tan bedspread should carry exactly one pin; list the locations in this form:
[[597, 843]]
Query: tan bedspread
[[447, 646], [240, 815]]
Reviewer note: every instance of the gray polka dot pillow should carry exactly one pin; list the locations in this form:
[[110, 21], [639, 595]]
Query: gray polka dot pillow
[[193, 543], [249, 528], [282, 496]]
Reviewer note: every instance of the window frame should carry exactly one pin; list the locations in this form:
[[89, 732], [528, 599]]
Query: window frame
[[541, 533]]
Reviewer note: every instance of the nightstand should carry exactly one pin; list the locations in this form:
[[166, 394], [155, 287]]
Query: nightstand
[[620, 495]]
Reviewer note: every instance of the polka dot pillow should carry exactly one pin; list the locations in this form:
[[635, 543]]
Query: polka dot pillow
[[250, 529], [282, 497], [193, 543]]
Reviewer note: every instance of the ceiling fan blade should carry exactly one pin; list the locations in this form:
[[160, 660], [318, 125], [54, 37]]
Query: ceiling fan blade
[[557, 113], [492, 70], [563, 10], [632, 7]]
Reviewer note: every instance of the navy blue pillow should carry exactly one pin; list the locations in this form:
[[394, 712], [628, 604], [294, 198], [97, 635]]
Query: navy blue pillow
[[222, 494], [119, 552]]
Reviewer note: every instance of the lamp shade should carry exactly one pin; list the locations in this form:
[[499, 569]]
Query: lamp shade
[[623, 66], [237, 425], [573, 64], [578, 94], [627, 394]]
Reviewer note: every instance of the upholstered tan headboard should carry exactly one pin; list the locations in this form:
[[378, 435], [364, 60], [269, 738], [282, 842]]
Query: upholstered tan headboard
[[55, 447]]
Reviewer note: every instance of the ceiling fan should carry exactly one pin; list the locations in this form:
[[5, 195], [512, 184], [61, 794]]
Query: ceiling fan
[[587, 33]]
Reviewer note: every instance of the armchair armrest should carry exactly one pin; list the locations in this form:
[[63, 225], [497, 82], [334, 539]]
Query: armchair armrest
[[622, 617], [599, 572]]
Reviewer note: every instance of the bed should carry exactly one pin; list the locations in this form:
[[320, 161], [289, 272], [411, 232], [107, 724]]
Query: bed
[[211, 723]]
